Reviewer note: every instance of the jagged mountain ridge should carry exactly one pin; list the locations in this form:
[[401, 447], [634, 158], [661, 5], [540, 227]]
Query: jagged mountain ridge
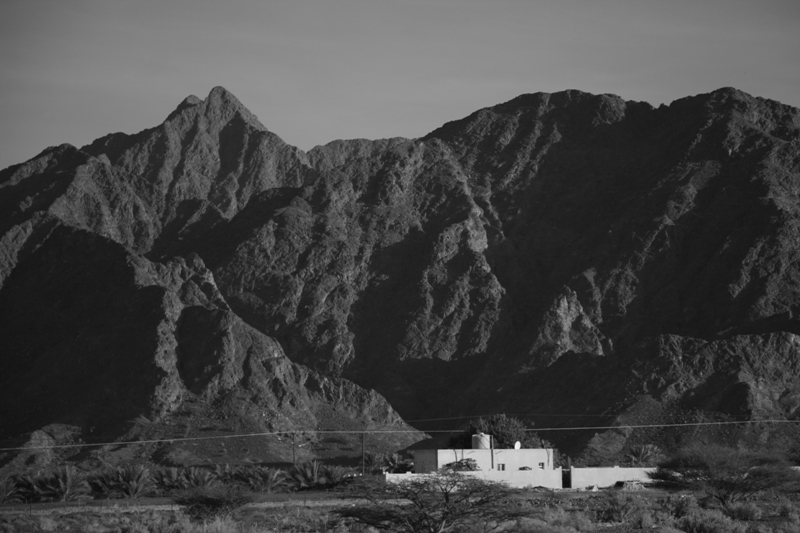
[[505, 261]]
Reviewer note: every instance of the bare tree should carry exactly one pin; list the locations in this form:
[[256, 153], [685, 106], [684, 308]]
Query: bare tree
[[435, 503]]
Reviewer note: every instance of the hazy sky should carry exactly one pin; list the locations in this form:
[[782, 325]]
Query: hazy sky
[[315, 71]]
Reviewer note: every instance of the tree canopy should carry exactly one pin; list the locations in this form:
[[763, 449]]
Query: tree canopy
[[725, 474], [505, 430], [437, 503]]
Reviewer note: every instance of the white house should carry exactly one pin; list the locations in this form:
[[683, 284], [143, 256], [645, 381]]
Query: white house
[[517, 467]]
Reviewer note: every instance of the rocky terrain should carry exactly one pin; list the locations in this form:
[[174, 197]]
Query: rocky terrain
[[573, 259]]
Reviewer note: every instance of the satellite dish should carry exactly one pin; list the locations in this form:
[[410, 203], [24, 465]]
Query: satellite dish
[[517, 445]]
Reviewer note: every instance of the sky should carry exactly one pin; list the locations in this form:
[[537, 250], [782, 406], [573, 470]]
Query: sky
[[318, 70]]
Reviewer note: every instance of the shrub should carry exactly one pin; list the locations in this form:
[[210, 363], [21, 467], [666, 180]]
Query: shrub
[[211, 501], [557, 517], [396, 464], [616, 507], [642, 520], [373, 462], [679, 506], [747, 511], [709, 521], [785, 508]]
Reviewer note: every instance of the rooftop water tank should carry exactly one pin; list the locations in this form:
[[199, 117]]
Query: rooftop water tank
[[481, 441]]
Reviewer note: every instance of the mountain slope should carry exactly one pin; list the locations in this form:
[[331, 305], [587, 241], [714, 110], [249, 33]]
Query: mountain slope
[[564, 253]]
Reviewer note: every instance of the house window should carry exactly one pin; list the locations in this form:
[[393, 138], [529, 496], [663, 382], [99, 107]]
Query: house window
[[541, 466], [501, 466]]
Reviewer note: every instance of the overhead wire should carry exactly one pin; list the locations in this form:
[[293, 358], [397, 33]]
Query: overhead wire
[[382, 431]]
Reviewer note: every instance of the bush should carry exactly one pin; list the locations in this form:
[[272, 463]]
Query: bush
[[786, 508], [557, 518], [616, 507], [208, 502], [709, 521], [743, 511], [679, 506], [396, 464]]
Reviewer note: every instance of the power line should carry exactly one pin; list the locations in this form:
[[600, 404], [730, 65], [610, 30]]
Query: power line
[[527, 415], [465, 417], [387, 431], [682, 424]]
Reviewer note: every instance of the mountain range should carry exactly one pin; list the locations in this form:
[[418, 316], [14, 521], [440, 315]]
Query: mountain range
[[583, 262]]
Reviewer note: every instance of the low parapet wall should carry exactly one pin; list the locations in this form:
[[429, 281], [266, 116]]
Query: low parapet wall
[[607, 476], [514, 478]]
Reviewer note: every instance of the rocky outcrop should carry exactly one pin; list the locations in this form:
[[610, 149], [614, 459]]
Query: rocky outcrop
[[568, 252]]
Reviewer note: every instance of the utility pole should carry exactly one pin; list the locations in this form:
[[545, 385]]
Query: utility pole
[[294, 461], [491, 448], [363, 452]]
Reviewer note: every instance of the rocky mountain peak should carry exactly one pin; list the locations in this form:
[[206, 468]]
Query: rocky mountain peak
[[188, 102], [221, 106]]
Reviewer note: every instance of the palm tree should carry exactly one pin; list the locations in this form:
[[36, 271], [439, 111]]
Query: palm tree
[[64, 484], [9, 491], [198, 478], [261, 479], [644, 454], [305, 475]]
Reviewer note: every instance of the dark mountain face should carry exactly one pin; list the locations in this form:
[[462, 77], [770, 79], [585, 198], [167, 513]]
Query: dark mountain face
[[559, 254]]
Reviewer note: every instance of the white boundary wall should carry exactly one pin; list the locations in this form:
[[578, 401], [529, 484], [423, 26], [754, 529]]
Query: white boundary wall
[[607, 476], [514, 478], [487, 460]]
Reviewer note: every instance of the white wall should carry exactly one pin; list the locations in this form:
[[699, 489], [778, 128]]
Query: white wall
[[498, 459], [606, 476], [514, 478]]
